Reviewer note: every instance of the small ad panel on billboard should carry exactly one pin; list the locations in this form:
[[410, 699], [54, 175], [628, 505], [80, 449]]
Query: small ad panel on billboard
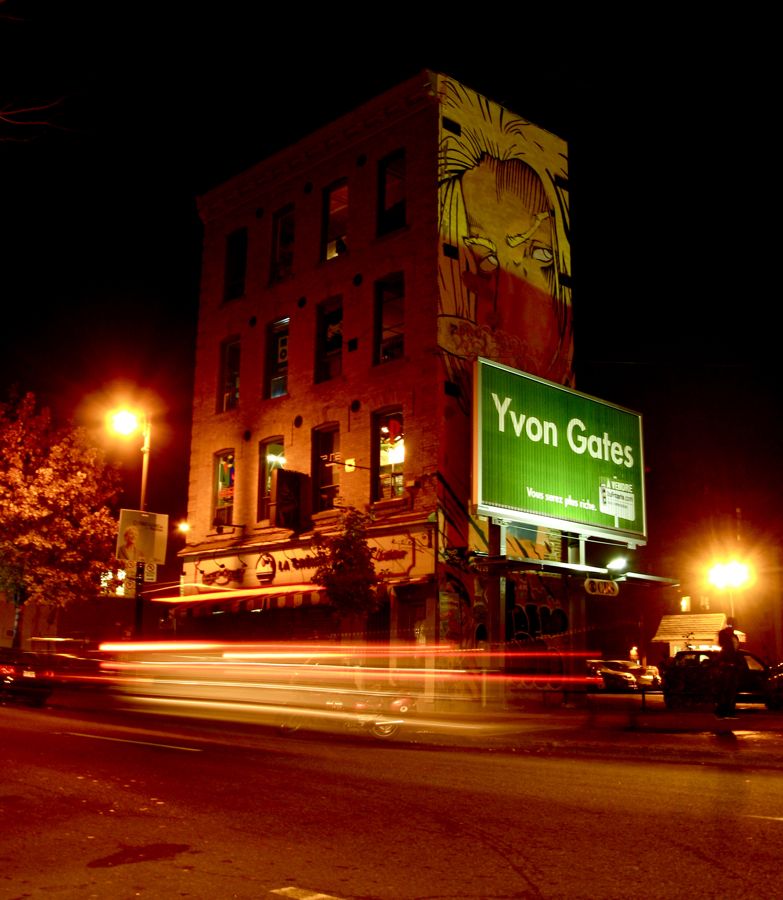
[[548, 454], [142, 536]]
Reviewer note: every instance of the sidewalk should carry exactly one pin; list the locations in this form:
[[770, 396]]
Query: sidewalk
[[613, 726]]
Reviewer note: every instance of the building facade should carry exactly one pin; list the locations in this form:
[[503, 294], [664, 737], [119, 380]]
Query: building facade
[[349, 283]]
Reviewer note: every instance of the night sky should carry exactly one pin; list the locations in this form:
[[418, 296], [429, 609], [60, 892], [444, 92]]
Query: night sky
[[671, 199]]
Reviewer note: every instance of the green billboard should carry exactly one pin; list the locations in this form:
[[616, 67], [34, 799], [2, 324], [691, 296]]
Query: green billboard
[[553, 456]]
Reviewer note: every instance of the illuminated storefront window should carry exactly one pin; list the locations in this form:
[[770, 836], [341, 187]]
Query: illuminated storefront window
[[271, 456], [224, 488]]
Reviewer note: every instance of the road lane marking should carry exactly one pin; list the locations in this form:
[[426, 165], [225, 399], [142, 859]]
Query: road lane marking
[[301, 894], [98, 737], [769, 818]]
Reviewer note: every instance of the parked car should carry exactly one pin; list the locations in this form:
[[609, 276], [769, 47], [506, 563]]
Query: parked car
[[25, 676], [692, 676], [624, 675]]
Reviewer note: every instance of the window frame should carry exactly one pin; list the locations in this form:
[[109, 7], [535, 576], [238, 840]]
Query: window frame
[[229, 378], [235, 264], [275, 370], [325, 490], [328, 351], [223, 512], [334, 232], [282, 262], [390, 348], [265, 475], [396, 478], [392, 216]]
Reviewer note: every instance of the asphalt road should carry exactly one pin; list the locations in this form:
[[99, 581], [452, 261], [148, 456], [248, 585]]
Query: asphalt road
[[117, 805]]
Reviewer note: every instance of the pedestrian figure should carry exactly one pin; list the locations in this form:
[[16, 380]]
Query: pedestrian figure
[[728, 675]]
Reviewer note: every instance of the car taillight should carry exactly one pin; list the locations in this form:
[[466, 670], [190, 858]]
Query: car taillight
[[7, 670]]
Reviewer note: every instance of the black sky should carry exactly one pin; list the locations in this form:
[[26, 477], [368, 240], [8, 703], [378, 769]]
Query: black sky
[[673, 295]]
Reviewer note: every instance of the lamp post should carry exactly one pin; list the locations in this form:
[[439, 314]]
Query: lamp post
[[127, 422]]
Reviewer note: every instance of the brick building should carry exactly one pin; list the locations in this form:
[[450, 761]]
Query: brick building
[[348, 284]]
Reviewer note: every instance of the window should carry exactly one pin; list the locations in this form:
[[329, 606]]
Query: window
[[335, 228], [277, 360], [329, 339], [283, 243], [391, 193], [389, 318], [224, 488], [236, 264], [228, 387], [388, 455], [271, 456], [326, 451]]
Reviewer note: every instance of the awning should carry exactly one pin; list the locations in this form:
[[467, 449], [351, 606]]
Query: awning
[[691, 628], [290, 596]]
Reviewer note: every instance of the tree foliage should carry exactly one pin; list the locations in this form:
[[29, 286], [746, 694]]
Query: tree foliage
[[346, 568], [57, 533]]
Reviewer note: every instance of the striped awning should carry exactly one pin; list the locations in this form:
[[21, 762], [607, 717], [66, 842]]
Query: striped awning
[[290, 596]]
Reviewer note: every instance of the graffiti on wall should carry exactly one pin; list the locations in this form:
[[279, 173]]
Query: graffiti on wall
[[505, 291]]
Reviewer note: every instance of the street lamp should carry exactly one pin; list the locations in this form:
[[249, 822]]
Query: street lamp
[[127, 422]]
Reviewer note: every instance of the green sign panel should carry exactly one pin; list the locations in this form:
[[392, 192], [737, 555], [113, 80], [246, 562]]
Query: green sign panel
[[549, 455]]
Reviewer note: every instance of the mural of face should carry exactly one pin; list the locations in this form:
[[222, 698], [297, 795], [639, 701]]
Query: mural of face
[[511, 246]]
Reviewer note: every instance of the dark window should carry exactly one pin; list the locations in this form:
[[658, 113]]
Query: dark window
[[283, 243], [389, 318], [391, 192], [325, 467], [236, 264], [277, 360], [271, 456], [228, 387], [388, 454], [329, 339], [335, 228], [224, 488]]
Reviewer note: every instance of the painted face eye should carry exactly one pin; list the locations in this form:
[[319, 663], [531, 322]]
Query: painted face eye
[[542, 255], [484, 252]]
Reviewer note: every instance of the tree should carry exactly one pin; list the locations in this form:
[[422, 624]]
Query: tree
[[57, 533], [346, 569]]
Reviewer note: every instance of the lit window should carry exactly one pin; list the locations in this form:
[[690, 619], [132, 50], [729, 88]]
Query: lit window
[[283, 243], [228, 387], [329, 340], [236, 264], [335, 219], [389, 318], [389, 455], [277, 360], [271, 456], [325, 468], [224, 488], [391, 193]]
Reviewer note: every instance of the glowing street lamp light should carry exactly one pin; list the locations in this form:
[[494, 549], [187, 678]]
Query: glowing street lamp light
[[729, 576]]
